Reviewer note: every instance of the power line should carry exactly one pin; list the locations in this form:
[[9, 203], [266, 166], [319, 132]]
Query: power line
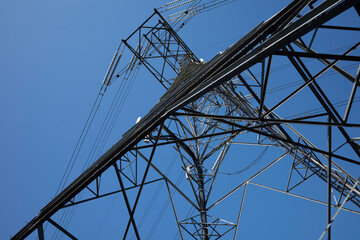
[[155, 195], [256, 160]]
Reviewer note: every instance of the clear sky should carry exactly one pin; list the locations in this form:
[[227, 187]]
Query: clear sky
[[53, 58]]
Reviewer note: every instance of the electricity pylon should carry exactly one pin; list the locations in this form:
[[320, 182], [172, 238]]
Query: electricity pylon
[[209, 107]]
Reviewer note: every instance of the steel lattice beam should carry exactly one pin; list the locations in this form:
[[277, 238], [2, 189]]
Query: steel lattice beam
[[214, 83]]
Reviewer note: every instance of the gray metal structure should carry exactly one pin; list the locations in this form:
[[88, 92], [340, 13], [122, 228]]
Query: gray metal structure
[[210, 106]]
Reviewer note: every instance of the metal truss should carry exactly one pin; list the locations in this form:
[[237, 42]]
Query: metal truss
[[211, 107], [159, 48]]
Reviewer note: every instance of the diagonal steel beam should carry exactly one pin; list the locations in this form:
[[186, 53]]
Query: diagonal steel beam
[[317, 55], [123, 191], [143, 180], [169, 181], [61, 229], [246, 181], [326, 62], [352, 95], [337, 212]]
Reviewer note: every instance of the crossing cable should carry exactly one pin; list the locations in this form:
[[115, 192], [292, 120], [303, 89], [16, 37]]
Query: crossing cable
[[78, 147], [261, 155], [163, 209], [80, 141], [132, 73], [289, 65], [119, 108], [320, 109], [121, 92], [101, 130], [189, 213], [128, 81], [106, 216], [86, 128], [109, 78], [155, 195], [90, 119], [298, 82]]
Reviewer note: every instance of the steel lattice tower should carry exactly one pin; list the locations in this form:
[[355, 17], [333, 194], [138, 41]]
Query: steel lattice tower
[[210, 107]]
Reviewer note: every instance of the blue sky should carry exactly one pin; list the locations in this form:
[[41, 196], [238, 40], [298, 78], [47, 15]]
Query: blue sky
[[53, 58]]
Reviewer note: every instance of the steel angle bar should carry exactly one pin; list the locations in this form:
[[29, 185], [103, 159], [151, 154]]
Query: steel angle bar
[[342, 191], [229, 139], [326, 62], [267, 120], [166, 47], [317, 55], [329, 65], [212, 223], [352, 95], [240, 211], [217, 163], [107, 194], [180, 143], [173, 206], [294, 13], [308, 143], [191, 177], [313, 37], [126, 199], [177, 37], [341, 207], [190, 233], [153, 14], [317, 172], [322, 98], [193, 138], [167, 56], [169, 181], [153, 28], [164, 56], [271, 115], [152, 70], [264, 84], [41, 232], [329, 172], [143, 181], [246, 181], [340, 28], [314, 87], [292, 167], [61, 229], [302, 197], [255, 144], [252, 129], [91, 191]]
